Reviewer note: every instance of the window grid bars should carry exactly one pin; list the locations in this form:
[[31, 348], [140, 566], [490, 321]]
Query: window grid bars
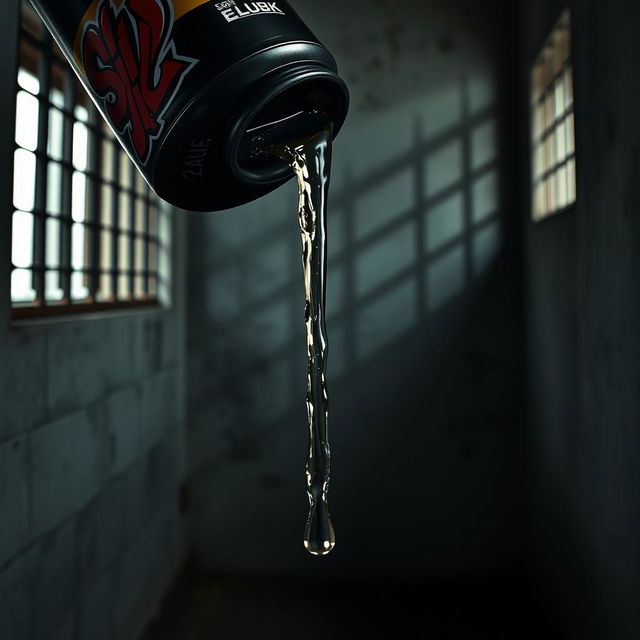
[[40, 187], [115, 203], [126, 277], [556, 162], [67, 185], [93, 213]]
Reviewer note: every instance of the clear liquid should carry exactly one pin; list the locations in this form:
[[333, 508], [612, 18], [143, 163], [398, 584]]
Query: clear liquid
[[310, 159]]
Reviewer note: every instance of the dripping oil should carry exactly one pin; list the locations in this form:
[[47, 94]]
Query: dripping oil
[[310, 158]]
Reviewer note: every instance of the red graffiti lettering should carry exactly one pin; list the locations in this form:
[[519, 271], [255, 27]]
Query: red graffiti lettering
[[132, 66]]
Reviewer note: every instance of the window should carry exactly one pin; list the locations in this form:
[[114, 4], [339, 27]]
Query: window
[[552, 124], [86, 228]]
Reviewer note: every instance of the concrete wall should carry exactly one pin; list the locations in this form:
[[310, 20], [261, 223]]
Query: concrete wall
[[91, 442], [583, 338], [423, 319]]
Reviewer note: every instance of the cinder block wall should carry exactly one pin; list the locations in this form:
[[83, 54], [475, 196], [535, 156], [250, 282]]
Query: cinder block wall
[[91, 440], [90, 462]]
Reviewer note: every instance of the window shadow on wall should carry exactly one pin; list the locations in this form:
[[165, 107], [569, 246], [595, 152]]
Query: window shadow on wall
[[406, 238], [409, 236]]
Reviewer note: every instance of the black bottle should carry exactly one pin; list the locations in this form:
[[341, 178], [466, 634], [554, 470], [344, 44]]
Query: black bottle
[[185, 84]]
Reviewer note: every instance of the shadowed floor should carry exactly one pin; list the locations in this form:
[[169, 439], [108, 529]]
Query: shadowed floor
[[208, 609]]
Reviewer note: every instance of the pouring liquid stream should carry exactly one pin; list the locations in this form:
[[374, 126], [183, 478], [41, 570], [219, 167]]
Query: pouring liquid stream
[[310, 159]]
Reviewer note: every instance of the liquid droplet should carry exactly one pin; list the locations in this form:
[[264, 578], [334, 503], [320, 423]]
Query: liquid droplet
[[319, 536]]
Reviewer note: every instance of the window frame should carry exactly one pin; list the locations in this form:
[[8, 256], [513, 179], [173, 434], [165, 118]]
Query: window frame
[[9, 29], [16, 313], [568, 66]]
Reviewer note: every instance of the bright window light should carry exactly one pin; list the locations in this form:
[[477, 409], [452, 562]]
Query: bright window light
[[553, 164]]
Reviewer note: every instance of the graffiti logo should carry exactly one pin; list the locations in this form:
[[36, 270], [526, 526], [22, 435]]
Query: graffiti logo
[[132, 66]]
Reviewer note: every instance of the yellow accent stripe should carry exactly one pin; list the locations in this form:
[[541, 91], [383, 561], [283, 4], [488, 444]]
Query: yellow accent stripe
[[180, 8]]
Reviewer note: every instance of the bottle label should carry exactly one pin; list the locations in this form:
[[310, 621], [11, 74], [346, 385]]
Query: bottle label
[[129, 58], [231, 11]]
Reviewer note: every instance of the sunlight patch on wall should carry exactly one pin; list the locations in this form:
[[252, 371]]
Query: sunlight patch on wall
[[484, 144], [445, 278], [385, 259], [485, 196], [443, 168], [384, 202], [445, 222]]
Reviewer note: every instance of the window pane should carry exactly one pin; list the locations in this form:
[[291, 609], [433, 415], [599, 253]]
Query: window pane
[[21, 286], [56, 133], [78, 245], [549, 110], [123, 287], [80, 242], [79, 196], [124, 210], [54, 190], [27, 120], [139, 253], [549, 157], [561, 141], [28, 80], [105, 287], [80, 146], [139, 287], [125, 170], [140, 215], [553, 149], [80, 111], [52, 290], [106, 249], [571, 143], [52, 244], [24, 175], [79, 289], [123, 252], [56, 97], [106, 205], [562, 187], [22, 239]]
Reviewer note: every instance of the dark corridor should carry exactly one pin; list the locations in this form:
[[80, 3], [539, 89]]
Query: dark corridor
[[484, 348]]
